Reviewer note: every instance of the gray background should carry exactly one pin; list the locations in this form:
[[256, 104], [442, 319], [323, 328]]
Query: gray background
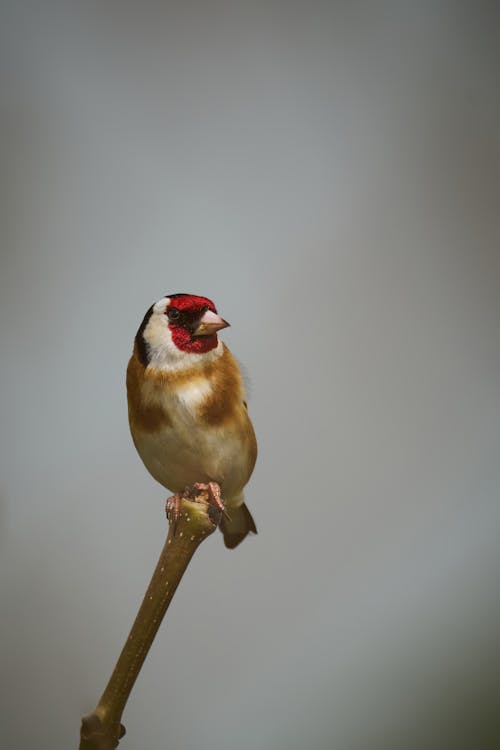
[[328, 173]]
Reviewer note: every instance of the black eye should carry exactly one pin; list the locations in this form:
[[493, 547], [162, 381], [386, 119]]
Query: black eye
[[173, 314]]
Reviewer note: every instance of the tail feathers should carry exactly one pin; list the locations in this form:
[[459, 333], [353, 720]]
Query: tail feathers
[[237, 526]]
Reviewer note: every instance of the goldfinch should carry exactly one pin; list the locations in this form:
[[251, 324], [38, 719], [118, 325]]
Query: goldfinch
[[187, 409]]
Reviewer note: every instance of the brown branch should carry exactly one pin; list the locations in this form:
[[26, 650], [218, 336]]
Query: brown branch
[[102, 729]]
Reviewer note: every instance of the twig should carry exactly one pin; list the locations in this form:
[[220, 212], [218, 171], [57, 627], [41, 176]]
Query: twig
[[102, 729]]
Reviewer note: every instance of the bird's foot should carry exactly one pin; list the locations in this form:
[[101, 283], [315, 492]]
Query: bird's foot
[[214, 495], [210, 492], [173, 505]]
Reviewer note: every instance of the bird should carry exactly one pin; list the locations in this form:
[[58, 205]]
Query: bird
[[188, 411]]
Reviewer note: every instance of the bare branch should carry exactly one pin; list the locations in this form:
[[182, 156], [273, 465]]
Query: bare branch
[[102, 729]]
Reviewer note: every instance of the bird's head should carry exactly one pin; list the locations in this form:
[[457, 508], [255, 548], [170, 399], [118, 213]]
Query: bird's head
[[179, 325]]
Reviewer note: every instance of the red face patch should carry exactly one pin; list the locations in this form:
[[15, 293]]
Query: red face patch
[[190, 302], [184, 312]]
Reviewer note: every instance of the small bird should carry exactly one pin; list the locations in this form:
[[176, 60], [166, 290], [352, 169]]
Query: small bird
[[187, 408]]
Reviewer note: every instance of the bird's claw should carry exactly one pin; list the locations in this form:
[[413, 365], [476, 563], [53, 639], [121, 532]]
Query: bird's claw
[[213, 491], [214, 497], [172, 508]]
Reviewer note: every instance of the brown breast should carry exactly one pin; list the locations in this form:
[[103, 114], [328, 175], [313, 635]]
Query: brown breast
[[147, 412]]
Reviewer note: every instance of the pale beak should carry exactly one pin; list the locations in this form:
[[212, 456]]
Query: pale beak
[[209, 323]]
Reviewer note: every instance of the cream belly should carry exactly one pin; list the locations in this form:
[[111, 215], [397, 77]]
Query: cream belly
[[176, 460], [186, 452]]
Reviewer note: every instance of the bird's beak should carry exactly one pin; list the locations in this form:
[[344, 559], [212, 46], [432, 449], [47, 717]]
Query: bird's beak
[[209, 323]]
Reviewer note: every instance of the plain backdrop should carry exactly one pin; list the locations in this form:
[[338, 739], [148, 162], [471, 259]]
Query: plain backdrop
[[328, 173]]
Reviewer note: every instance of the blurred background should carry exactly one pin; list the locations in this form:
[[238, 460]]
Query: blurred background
[[328, 173]]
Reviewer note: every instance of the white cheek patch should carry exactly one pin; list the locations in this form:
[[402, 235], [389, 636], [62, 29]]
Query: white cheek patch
[[157, 333], [161, 305]]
